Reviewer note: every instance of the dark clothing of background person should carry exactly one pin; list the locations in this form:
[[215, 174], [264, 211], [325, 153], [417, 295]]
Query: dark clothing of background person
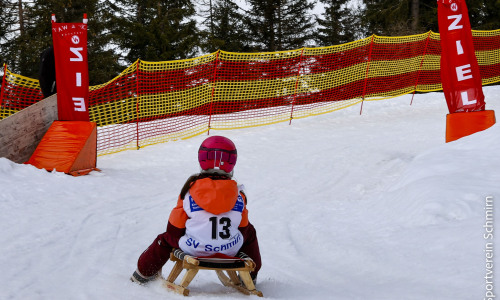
[[47, 74]]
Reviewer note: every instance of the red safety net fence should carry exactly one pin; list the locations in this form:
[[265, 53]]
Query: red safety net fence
[[154, 102]]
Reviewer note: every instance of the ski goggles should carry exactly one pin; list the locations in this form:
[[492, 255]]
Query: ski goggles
[[228, 156]]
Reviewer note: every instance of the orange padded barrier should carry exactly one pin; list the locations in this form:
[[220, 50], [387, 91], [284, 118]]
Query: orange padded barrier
[[462, 124], [69, 147]]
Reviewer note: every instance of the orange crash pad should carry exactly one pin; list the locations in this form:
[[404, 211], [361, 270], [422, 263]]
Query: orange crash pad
[[462, 124], [69, 147]]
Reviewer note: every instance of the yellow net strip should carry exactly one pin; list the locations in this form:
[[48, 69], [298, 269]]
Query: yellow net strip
[[155, 102]]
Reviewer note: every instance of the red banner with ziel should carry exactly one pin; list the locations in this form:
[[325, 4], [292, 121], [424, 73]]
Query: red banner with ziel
[[460, 76], [72, 76]]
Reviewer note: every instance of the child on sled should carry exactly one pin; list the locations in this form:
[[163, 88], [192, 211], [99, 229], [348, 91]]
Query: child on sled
[[210, 216]]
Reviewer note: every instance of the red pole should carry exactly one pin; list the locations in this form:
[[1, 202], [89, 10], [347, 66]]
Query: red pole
[[420, 68], [366, 76], [213, 91], [138, 71], [2, 88], [296, 85]]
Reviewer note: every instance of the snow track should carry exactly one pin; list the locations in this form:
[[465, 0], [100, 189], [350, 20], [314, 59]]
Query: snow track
[[375, 206]]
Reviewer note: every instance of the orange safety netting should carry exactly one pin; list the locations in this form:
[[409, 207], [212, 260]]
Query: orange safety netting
[[154, 102]]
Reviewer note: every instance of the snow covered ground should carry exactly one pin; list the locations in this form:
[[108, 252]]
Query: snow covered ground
[[375, 206]]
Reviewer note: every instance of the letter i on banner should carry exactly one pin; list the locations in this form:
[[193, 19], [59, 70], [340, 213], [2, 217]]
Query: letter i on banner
[[72, 74], [460, 75]]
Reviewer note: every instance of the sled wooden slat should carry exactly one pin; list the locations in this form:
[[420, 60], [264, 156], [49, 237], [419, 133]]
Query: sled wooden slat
[[176, 288], [176, 271], [237, 277], [226, 281]]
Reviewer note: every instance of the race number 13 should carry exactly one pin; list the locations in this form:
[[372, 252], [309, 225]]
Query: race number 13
[[224, 229]]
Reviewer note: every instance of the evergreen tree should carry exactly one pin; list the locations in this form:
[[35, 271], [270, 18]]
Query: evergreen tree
[[340, 24], [16, 41], [3, 25], [400, 17], [103, 56], [491, 9], [276, 25], [6, 19], [7, 22], [261, 21], [405, 17], [388, 17], [224, 27], [296, 24], [488, 15], [157, 30]]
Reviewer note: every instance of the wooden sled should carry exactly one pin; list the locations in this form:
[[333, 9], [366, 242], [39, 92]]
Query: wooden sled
[[232, 271]]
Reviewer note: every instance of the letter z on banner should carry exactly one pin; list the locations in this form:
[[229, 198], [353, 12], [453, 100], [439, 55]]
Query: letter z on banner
[[72, 74], [460, 75]]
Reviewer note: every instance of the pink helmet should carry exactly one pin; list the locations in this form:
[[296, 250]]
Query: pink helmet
[[217, 152]]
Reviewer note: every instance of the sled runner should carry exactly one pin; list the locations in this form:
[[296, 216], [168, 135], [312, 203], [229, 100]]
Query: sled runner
[[232, 271]]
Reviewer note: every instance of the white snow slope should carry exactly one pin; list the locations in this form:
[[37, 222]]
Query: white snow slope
[[375, 206]]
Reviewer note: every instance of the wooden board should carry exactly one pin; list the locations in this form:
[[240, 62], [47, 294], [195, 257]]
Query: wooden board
[[21, 132]]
